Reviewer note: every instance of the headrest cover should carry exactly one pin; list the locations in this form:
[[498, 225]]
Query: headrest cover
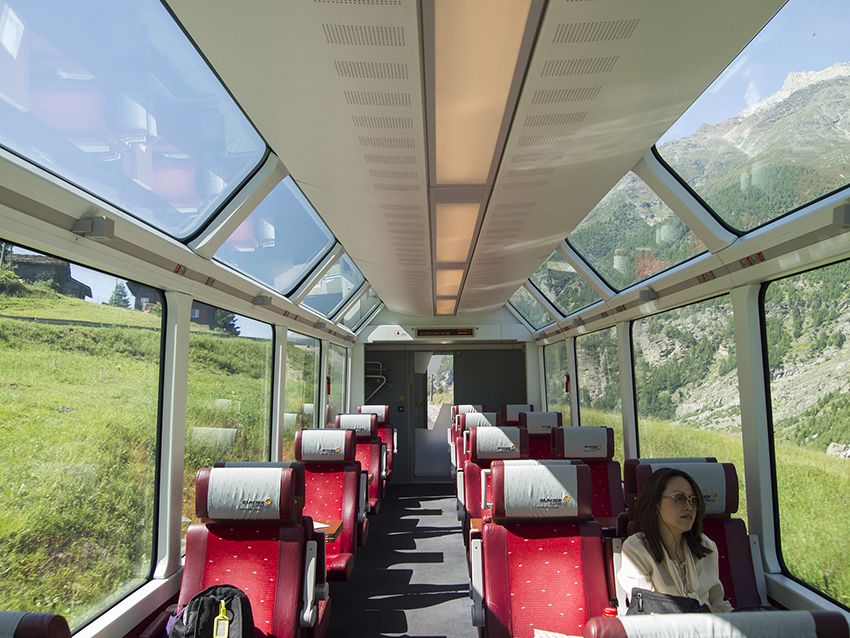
[[383, 411], [544, 489], [510, 412], [584, 443], [497, 443], [539, 422], [481, 419], [324, 446], [717, 481], [246, 493], [630, 467], [466, 408], [754, 624], [362, 424]]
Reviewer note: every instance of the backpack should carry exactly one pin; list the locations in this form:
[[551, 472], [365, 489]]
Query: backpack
[[202, 616]]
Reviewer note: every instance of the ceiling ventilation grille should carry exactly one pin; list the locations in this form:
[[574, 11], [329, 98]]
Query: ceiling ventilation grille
[[398, 188], [529, 158], [394, 174], [397, 160], [369, 121], [579, 66], [460, 194], [406, 231], [561, 96], [376, 98], [405, 224], [513, 186], [358, 35], [371, 70], [515, 206], [594, 31], [545, 140], [555, 119], [530, 172], [380, 3], [406, 207], [388, 142]]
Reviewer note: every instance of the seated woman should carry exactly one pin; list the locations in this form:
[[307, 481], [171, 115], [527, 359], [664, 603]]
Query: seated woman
[[669, 553]]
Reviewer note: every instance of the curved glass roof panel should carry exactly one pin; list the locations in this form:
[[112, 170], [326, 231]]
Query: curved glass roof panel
[[631, 235], [112, 97], [360, 310], [280, 241], [335, 287], [530, 309], [561, 284], [771, 133]]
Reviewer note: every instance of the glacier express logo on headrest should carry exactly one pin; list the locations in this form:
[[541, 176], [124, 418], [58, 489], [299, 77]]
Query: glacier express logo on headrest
[[553, 503], [504, 449], [255, 506], [328, 451], [595, 447], [710, 498]]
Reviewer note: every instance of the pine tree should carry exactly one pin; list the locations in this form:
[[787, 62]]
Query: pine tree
[[119, 296], [226, 322]]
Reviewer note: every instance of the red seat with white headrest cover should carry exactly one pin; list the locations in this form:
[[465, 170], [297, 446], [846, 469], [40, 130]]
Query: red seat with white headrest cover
[[510, 412], [387, 434], [368, 445], [539, 426]]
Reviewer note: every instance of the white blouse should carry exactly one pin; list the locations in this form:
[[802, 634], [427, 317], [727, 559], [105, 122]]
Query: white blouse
[[701, 578]]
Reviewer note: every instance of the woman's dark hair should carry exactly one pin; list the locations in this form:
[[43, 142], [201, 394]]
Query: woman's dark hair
[[647, 516]]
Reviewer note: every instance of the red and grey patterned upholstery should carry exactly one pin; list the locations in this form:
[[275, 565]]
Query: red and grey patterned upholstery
[[539, 563], [368, 444], [539, 426], [387, 434], [754, 624], [719, 485], [595, 447], [332, 492], [458, 444], [510, 412], [256, 539]]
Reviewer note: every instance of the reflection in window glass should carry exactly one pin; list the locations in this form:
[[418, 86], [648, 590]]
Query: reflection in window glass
[[79, 402], [337, 360], [228, 403], [335, 287], [112, 97], [598, 366], [631, 235], [280, 241], [360, 310], [686, 382], [301, 399], [556, 368], [770, 134], [808, 349], [530, 309], [565, 289]]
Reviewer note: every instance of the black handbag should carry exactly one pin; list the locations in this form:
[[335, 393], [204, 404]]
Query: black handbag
[[644, 601]]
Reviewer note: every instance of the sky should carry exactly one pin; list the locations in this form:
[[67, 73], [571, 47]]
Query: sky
[[806, 35]]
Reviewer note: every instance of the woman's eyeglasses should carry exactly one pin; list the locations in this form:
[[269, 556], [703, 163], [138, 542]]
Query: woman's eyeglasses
[[681, 499]]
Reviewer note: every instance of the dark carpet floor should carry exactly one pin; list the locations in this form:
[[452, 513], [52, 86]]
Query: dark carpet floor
[[410, 577]]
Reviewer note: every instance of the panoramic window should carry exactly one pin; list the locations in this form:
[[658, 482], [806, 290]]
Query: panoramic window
[[337, 364], [112, 97], [79, 412], [335, 287], [686, 382], [770, 134], [806, 319], [280, 241], [301, 399], [598, 366], [228, 402], [360, 310], [530, 309], [565, 289], [556, 369], [631, 235]]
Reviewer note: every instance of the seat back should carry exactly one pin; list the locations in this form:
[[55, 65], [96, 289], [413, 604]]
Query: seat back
[[543, 565], [630, 469], [33, 625], [595, 447], [368, 445], [539, 426], [467, 421], [510, 412], [386, 432], [719, 485], [332, 492], [754, 624], [256, 539], [466, 408]]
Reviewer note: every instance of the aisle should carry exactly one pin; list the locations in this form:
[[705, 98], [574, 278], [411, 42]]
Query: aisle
[[410, 578]]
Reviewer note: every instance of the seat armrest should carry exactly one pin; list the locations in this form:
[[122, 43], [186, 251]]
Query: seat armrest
[[476, 590], [363, 506], [157, 627], [310, 611]]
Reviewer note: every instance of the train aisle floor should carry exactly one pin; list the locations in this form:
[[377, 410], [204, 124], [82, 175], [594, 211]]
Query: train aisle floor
[[410, 578]]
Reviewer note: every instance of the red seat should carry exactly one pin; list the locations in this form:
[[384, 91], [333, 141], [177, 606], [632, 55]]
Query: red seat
[[539, 426], [594, 446], [510, 412], [368, 452], [466, 408], [459, 443], [332, 492], [257, 540], [539, 563], [387, 434]]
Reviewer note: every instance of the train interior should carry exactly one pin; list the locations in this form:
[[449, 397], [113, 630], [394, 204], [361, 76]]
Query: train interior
[[514, 245]]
